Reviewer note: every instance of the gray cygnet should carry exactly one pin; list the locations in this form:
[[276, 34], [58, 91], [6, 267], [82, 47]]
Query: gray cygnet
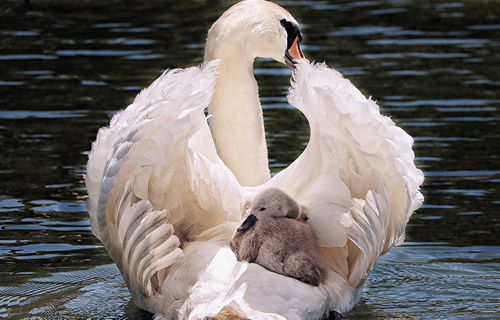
[[277, 236]]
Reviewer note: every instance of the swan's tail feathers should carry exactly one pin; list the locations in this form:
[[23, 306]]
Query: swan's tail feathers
[[366, 144]]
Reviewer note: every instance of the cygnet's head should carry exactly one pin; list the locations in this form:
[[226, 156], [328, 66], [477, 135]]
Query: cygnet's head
[[255, 28], [274, 203]]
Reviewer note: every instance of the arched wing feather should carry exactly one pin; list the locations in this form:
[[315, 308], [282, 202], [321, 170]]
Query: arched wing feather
[[154, 182], [357, 175]]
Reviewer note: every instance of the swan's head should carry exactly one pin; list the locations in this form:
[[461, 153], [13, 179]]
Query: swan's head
[[274, 203], [255, 28]]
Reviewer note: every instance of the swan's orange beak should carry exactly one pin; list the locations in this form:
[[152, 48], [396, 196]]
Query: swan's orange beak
[[295, 50], [293, 53]]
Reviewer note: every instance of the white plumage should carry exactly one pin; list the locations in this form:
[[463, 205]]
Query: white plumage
[[165, 205]]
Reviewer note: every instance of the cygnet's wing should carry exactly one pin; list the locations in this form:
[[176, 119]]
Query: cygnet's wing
[[356, 176], [154, 178]]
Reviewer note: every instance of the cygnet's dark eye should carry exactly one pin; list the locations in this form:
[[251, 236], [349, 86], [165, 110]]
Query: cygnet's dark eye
[[262, 209]]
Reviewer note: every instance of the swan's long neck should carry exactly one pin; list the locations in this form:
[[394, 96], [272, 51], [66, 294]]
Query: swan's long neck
[[236, 119]]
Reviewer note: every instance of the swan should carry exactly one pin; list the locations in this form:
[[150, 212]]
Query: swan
[[167, 184]]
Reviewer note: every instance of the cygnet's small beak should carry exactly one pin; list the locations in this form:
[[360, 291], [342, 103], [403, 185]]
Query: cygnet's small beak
[[248, 223], [293, 53]]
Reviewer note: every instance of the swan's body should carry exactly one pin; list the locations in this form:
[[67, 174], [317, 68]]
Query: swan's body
[[166, 191]]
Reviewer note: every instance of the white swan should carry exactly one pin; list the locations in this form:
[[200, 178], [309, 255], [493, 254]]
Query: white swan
[[166, 191]]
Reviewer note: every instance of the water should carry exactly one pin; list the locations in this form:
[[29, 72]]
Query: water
[[67, 66]]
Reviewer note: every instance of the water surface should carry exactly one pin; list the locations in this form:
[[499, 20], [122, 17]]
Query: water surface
[[67, 67]]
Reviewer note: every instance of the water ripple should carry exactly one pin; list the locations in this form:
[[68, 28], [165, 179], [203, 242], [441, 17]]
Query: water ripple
[[23, 114], [22, 56], [447, 102], [460, 42], [100, 53]]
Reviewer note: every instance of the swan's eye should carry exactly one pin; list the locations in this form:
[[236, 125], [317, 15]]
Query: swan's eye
[[292, 30], [262, 209]]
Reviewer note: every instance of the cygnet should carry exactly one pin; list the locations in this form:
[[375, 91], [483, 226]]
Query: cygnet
[[277, 236]]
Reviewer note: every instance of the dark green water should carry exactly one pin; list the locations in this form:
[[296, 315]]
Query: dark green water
[[67, 66]]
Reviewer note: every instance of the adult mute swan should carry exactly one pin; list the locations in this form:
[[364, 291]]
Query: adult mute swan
[[166, 191]]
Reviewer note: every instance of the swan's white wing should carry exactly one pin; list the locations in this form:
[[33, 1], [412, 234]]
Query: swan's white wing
[[154, 179], [357, 176]]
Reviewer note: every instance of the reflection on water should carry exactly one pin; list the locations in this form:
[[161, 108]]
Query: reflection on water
[[68, 66]]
